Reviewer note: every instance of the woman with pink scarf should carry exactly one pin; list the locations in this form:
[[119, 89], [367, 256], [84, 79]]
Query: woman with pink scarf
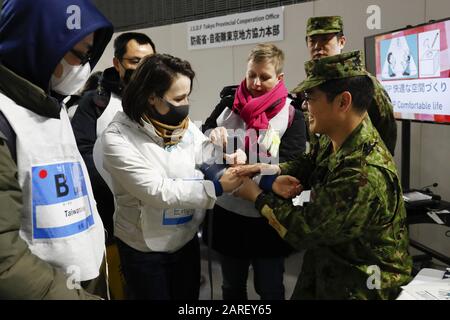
[[256, 115]]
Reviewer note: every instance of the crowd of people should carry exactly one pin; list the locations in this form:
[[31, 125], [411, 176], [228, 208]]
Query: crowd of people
[[109, 167]]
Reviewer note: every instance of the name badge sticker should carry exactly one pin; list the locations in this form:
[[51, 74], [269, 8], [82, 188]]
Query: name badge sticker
[[177, 216], [61, 206]]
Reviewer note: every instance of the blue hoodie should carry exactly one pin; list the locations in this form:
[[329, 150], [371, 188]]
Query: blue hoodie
[[36, 34]]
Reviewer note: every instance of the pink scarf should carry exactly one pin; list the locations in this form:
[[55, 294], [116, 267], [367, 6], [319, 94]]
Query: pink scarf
[[257, 112]]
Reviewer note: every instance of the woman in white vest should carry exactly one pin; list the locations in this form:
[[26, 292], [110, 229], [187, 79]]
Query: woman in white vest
[[152, 151], [257, 115], [97, 108]]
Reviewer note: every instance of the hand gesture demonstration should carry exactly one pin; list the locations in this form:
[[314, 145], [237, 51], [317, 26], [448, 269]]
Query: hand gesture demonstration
[[230, 181], [287, 187]]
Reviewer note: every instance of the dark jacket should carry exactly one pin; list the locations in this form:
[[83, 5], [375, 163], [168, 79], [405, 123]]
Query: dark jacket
[[30, 48], [251, 237], [84, 124]]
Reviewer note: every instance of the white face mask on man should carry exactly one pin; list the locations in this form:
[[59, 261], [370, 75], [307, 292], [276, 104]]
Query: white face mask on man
[[73, 77]]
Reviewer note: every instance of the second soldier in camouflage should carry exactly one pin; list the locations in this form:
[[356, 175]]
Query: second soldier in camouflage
[[325, 37]]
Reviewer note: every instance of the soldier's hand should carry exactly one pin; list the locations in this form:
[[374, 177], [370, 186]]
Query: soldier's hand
[[249, 190], [230, 181], [287, 187]]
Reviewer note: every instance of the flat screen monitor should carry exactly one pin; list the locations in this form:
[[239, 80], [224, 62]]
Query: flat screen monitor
[[413, 65]]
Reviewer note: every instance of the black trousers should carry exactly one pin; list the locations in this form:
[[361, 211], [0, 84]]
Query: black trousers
[[162, 275]]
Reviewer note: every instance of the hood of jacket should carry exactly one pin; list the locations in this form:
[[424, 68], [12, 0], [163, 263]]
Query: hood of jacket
[[35, 35]]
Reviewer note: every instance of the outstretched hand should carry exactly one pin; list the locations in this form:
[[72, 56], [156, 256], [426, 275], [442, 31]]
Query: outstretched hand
[[287, 187]]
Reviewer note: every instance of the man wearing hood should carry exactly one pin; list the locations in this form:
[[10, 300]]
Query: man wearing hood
[[98, 107], [51, 236]]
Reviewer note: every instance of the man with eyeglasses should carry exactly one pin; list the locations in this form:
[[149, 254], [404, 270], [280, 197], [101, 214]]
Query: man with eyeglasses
[[51, 235], [324, 38]]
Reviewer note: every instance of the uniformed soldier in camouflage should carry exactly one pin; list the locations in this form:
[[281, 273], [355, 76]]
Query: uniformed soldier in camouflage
[[354, 225], [325, 37]]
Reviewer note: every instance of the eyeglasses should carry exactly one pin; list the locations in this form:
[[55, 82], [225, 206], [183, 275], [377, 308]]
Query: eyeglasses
[[84, 58]]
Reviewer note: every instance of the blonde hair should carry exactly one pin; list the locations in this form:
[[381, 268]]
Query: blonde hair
[[268, 52]]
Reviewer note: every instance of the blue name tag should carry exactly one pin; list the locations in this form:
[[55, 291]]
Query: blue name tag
[[177, 216], [61, 206]]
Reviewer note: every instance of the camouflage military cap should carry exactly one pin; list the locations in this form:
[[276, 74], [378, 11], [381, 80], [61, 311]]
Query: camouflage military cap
[[324, 25], [341, 66]]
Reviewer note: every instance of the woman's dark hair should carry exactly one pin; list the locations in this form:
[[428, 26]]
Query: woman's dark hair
[[153, 77]]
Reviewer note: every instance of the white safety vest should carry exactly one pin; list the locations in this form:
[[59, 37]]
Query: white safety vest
[[59, 220], [231, 120]]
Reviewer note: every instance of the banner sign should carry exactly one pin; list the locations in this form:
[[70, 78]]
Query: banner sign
[[236, 29]]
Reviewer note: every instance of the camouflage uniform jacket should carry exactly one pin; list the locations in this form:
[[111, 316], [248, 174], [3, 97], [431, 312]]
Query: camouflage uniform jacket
[[381, 113], [355, 220]]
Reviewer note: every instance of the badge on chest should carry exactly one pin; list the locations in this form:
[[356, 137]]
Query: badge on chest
[[60, 201]]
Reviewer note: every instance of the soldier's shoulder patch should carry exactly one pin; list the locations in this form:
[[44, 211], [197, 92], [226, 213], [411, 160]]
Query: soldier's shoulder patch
[[267, 212]]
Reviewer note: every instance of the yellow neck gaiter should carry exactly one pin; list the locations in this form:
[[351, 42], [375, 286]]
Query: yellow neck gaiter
[[170, 134]]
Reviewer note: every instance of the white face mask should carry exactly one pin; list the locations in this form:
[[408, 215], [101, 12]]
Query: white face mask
[[72, 78]]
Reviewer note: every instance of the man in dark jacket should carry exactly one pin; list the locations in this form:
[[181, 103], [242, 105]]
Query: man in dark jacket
[[97, 108], [49, 226]]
